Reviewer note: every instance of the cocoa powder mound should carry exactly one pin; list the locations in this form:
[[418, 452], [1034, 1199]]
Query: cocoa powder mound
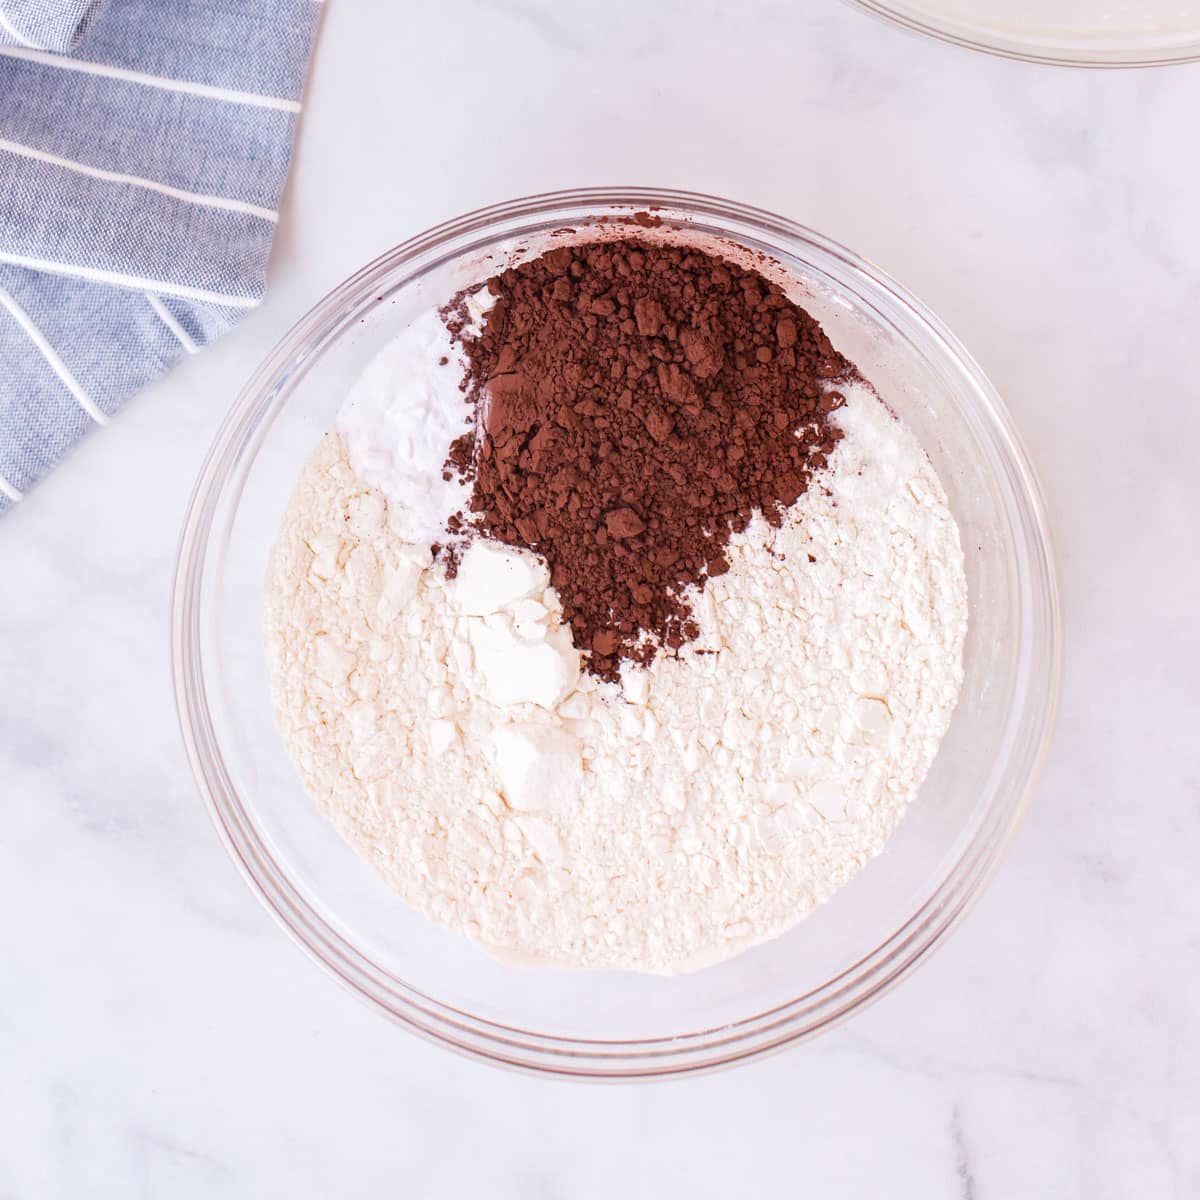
[[635, 404]]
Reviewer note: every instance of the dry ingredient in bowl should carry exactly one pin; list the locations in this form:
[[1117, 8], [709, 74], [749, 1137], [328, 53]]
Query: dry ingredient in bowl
[[639, 405], [654, 658]]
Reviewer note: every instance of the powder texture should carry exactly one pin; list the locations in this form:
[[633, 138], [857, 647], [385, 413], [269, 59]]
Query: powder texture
[[704, 801], [397, 423], [637, 403]]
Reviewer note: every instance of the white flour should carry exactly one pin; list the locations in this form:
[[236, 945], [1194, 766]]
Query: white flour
[[708, 802]]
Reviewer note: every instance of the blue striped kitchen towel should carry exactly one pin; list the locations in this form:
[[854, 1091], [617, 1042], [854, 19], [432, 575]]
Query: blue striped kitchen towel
[[143, 151], [44, 24]]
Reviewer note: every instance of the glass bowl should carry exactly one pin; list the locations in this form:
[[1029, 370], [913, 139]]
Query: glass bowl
[[614, 1024], [1068, 33]]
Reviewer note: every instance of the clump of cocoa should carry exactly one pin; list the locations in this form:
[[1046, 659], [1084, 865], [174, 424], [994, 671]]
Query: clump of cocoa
[[636, 403]]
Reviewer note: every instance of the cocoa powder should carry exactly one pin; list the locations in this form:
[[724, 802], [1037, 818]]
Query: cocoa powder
[[635, 404]]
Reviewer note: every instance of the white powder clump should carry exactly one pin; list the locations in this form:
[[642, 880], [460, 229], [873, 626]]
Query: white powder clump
[[703, 805], [400, 417]]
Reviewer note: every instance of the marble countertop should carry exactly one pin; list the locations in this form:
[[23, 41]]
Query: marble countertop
[[160, 1037]]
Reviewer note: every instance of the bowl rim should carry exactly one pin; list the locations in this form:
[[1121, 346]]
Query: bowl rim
[[858, 985], [1048, 52]]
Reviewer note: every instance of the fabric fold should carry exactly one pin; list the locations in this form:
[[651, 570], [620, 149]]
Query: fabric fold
[[45, 24], [140, 179]]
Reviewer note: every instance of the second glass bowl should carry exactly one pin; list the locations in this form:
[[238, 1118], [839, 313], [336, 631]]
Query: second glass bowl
[[1069, 33], [616, 1025]]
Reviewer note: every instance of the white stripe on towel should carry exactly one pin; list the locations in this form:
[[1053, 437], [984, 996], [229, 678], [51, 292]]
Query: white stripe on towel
[[95, 275], [164, 315], [222, 202], [51, 356], [184, 86], [8, 490], [13, 31]]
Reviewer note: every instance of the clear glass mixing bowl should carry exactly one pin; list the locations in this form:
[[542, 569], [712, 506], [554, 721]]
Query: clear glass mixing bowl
[[616, 1025], [1069, 33]]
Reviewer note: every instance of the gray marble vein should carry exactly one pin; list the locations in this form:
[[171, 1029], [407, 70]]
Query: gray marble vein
[[962, 1156]]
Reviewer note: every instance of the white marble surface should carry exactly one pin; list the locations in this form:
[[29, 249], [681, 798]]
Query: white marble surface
[[159, 1037]]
